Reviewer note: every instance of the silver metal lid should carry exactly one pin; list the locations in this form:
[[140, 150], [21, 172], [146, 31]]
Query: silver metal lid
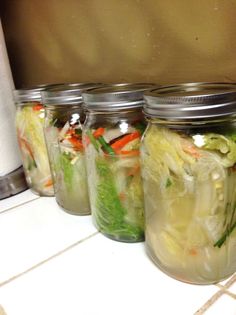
[[13, 183], [66, 94], [31, 94], [191, 101], [116, 96]]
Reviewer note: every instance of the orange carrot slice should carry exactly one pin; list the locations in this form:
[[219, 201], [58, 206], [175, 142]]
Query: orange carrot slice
[[193, 252], [37, 107], [99, 132], [77, 144], [48, 183], [189, 148], [24, 143], [128, 153], [119, 144]]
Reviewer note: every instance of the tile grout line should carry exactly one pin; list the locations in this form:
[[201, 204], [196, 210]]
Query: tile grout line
[[226, 287], [48, 259], [230, 282], [208, 303], [230, 294], [223, 289], [19, 205], [200, 311], [226, 290]]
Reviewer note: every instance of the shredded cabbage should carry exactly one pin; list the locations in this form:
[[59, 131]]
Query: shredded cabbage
[[190, 202], [35, 161], [68, 165], [223, 145]]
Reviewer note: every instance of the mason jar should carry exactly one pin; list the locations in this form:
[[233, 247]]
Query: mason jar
[[63, 134], [188, 156], [111, 137], [30, 115]]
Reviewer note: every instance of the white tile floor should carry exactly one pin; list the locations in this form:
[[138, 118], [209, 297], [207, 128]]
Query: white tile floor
[[34, 231], [16, 200], [232, 288], [226, 305], [55, 263], [102, 277]]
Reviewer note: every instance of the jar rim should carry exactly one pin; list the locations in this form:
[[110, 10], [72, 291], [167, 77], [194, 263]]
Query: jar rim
[[66, 94], [31, 93], [191, 101], [117, 96]]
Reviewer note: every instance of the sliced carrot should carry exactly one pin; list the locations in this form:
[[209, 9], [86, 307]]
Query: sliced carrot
[[193, 252], [77, 144], [70, 132], [24, 144], [48, 183], [189, 148], [129, 153], [192, 152], [119, 144], [99, 132], [37, 107]]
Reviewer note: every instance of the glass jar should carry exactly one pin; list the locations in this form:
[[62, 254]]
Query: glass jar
[[63, 134], [29, 125], [111, 136], [188, 156]]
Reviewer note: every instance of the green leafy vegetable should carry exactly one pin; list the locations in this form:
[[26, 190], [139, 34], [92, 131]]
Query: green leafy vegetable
[[168, 183], [134, 203], [224, 145], [140, 127], [31, 165], [68, 170], [110, 211], [93, 140], [105, 145], [221, 241], [78, 131], [228, 231]]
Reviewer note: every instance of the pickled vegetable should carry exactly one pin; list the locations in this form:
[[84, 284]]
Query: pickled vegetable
[[190, 202], [29, 122], [114, 181], [67, 161]]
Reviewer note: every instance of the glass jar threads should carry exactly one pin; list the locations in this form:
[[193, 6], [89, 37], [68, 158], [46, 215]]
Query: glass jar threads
[[63, 133], [111, 136], [29, 124], [188, 158]]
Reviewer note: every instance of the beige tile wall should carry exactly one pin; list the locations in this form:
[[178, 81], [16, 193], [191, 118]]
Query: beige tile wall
[[161, 41]]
